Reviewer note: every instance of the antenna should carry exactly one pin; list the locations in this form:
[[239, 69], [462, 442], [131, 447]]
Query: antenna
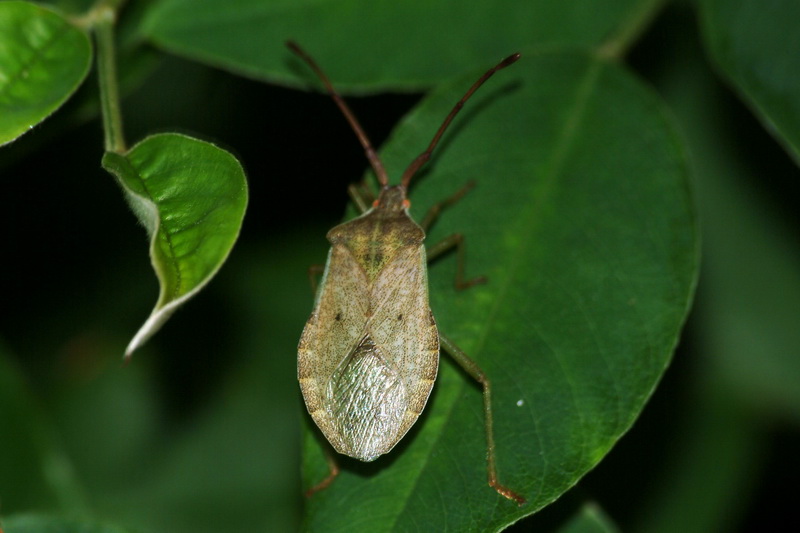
[[369, 151], [423, 158]]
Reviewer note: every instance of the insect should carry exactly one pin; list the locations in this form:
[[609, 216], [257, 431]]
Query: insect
[[369, 353]]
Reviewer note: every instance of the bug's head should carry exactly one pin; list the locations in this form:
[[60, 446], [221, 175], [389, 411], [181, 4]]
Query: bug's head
[[392, 200]]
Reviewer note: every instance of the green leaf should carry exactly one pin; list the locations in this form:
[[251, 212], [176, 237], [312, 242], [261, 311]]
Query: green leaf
[[34, 472], [368, 46], [751, 291], [583, 222], [36, 523], [191, 197], [43, 59], [754, 44], [590, 519]]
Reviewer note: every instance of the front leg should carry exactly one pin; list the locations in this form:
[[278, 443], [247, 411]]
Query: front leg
[[437, 208], [314, 271], [361, 195], [445, 245], [455, 240]]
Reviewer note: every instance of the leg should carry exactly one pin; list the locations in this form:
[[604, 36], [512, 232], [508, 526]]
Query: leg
[[333, 468], [313, 272], [455, 240], [436, 209], [471, 368], [361, 195]]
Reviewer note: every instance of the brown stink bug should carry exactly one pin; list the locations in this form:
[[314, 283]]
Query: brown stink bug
[[369, 353]]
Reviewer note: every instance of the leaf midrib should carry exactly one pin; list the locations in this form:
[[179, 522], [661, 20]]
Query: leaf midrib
[[561, 149]]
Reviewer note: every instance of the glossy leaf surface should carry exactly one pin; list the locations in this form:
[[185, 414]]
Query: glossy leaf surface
[[248, 36], [43, 59], [582, 221], [190, 196]]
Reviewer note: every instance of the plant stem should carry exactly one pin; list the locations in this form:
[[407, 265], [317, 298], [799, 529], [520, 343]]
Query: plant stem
[[107, 77], [621, 41]]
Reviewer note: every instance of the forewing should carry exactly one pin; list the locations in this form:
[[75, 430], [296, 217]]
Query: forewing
[[331, 333], [403, 328]]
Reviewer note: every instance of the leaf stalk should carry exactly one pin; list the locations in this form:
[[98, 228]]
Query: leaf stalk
[[630, 30], [105, 17]]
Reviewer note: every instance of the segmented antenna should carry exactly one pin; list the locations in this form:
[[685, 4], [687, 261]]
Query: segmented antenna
[[369, 151], [423, 158]]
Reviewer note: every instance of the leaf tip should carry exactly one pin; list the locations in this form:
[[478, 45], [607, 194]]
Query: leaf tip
[[134, 345]]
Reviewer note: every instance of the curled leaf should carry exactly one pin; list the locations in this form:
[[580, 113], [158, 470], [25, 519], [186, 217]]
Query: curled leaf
[[191, 196]]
